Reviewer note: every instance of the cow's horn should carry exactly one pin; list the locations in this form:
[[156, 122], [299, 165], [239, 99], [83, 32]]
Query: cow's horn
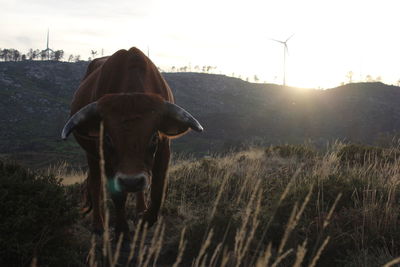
[[87, 112], [182, 115]]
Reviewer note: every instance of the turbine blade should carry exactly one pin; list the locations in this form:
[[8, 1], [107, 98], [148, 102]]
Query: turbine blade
[[289, 38], [277, 41]]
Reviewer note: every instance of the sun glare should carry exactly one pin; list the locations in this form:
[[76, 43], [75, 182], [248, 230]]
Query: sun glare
[[330, 39]]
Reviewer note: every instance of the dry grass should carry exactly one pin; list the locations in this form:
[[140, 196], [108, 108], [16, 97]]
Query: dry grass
[[69, 175], [262, 209]]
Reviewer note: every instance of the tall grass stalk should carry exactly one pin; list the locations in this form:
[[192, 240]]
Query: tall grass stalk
[[202, 253], [319, 252], [393, 262], [181, 248], [107, 253]]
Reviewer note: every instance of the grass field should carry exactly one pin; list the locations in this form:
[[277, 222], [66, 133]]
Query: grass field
[[281, 206]]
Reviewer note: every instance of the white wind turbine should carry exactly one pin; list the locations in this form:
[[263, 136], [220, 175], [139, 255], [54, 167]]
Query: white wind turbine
[[48, 49], [285, 51]]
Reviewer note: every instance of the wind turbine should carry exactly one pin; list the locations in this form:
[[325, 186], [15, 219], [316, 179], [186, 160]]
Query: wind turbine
[[285, 51], [48, 50]]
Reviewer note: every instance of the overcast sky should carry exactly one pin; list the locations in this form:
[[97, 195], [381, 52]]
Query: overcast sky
[[331, 37]]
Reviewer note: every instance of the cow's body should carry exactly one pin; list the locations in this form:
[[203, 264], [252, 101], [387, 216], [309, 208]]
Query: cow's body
[[123, 72], [129, 95]]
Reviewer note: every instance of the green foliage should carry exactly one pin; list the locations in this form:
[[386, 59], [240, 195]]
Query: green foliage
[[36, 219]]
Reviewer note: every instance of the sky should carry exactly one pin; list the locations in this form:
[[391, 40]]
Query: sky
[[331, 38]]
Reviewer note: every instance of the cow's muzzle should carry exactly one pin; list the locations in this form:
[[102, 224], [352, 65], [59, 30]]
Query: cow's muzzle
[[132, 183]]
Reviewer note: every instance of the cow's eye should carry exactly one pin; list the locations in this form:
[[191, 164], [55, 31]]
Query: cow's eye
[[108, 141], [153, 143]]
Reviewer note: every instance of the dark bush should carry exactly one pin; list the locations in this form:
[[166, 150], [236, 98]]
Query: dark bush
[[287, 151], [361, 154], [36, 218], [360, 214]]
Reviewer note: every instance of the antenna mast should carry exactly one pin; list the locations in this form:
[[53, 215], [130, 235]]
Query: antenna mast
[[47, 47], [48, 31]]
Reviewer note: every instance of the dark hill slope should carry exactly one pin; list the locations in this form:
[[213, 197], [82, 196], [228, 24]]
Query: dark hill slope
[[34, 100], [35, 97], [232, 109]]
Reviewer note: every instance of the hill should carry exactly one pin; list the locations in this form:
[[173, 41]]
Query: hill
[[34, 103], [35, 97]]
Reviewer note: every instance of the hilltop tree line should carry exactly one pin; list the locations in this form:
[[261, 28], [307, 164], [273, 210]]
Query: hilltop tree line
[[11, 54], [58, 55], [197, 68]]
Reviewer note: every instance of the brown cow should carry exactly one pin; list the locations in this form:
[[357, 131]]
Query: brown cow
[[127, 93]]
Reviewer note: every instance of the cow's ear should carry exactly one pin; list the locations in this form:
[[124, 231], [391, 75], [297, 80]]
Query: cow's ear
[[176, 121]]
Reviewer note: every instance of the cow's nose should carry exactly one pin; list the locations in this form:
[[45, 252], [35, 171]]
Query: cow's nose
[[132, 183]]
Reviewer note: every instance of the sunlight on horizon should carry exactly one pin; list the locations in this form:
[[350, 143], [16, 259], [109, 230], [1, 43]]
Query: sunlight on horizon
[[331, 39]]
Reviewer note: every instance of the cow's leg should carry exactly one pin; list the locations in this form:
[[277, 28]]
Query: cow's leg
[[121, 225], [140, 203], [158, 184], [94, 188]]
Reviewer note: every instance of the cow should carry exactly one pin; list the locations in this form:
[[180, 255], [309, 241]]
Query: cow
[[127, 93]]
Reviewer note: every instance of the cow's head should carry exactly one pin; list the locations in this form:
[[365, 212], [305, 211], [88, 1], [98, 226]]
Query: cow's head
[[133, 126]]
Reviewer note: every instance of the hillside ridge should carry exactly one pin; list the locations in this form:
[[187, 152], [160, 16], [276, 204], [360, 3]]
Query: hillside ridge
[[35, 98]]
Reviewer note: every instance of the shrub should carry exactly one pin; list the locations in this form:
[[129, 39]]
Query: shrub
[[361, 154], [287, 151], [35, 216], [365, 218]]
